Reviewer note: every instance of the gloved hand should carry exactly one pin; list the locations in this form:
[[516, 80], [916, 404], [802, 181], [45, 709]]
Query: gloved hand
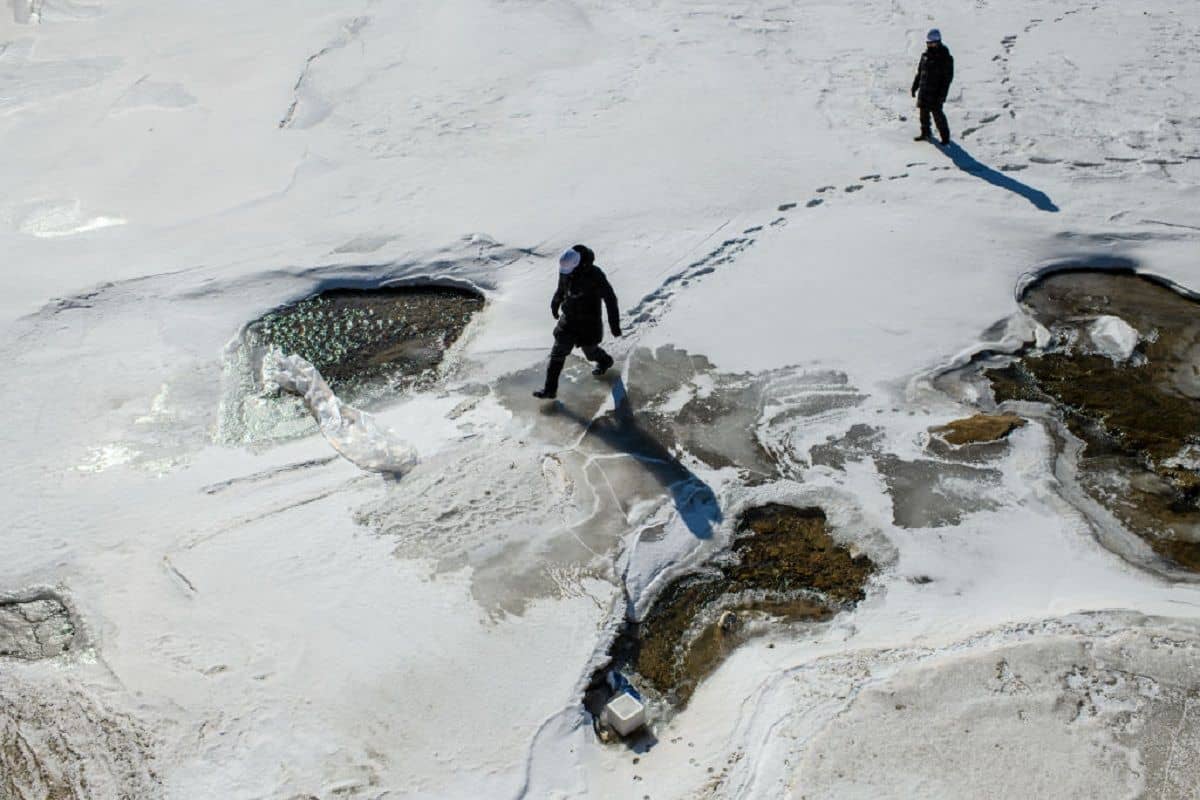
[[554, 311], [914, 92], [616, 332]]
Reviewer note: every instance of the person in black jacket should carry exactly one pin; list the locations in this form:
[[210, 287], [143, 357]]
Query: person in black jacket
[[582, 287], [932, 84]]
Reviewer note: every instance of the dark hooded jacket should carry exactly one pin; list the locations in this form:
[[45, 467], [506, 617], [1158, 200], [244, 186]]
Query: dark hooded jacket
[[935, 73], [579, 296]]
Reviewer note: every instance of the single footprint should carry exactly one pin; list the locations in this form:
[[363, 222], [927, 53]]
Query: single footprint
[[755, 229], [778, 222], [854, 187], [897, 177], [826, 189], [915, 164], [816, 201], [869, 178], [787, 206]]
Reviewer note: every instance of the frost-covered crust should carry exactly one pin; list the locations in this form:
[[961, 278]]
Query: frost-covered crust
[[1099, 705], [35, 626], [59, 740]]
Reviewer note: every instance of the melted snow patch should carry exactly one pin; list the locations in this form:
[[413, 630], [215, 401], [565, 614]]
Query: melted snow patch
[[106, 456], [52, 220]]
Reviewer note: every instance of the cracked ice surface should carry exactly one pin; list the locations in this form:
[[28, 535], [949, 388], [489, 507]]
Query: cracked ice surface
[[36, 628]]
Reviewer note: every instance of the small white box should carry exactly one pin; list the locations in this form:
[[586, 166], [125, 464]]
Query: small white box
[[624, 714]]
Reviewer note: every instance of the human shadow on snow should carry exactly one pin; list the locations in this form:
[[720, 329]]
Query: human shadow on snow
[[967, 163], [619, 429]]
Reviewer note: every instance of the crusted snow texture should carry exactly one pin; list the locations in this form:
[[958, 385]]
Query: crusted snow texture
[[57, 741], [353, 433], [1113, 337], [34, 629]]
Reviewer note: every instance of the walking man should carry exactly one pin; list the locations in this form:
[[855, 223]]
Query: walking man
[[582, 287], [932, 84]]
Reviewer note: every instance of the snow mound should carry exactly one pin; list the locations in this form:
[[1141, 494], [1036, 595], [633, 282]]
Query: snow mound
[[1113, 337], [352, 433]]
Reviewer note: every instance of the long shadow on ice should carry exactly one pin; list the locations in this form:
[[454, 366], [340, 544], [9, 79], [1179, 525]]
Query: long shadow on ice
[[967, 163], [619, 430]]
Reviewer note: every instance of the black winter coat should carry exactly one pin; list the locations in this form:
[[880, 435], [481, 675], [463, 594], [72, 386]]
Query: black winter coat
[[579, 296], [935, 73]]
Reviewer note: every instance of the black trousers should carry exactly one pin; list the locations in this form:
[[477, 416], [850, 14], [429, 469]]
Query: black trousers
[[564, 343], [939, 117]]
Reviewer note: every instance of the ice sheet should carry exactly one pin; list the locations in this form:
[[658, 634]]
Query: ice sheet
[[747, 177]]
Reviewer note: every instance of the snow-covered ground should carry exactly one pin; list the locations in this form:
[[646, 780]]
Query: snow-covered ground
[[265, 621]]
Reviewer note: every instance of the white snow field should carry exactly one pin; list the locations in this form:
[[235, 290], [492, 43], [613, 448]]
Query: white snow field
[[258, 618]]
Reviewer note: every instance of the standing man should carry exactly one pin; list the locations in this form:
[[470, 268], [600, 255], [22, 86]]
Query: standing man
[[932, 84], [581, 289]]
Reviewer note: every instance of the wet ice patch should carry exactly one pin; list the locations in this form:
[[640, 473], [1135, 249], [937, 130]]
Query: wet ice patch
[[526, 524], [928, 493], [858, 442], [749, 421]]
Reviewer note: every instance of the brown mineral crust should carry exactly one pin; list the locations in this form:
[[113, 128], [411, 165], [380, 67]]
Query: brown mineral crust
[[1134, 417], [979, 429], [780, 554]]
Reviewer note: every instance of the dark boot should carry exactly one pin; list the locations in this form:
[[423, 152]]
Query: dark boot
[[926, 126], [558, 358], [603, 366], [553, 371], [943, 125]]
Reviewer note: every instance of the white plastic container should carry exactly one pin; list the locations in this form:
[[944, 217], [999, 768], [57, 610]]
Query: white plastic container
[[624, 714]]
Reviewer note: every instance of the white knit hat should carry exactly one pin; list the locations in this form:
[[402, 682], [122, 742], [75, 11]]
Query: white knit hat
[[934, 35], [568, 261]]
